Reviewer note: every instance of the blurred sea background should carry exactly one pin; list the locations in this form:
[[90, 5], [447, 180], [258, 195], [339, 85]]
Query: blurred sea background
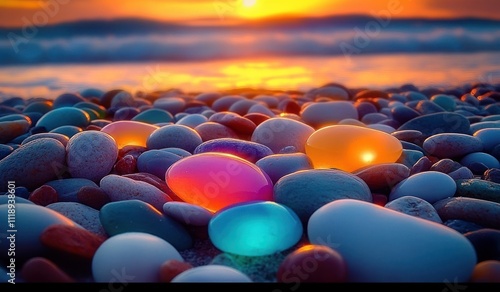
[[278, 53]]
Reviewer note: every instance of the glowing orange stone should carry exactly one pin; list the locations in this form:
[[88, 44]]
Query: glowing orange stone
[[216, 180], [129, 132], [348, 147]]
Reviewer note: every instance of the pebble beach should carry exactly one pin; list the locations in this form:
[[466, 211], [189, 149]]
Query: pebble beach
[[329, 185]]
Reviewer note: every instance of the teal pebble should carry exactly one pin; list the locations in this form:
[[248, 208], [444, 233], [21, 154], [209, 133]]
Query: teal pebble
[[154, 116], [65, 116], [256, 228]]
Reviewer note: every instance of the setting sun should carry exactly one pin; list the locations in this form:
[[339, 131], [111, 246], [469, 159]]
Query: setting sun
[[249, 3]]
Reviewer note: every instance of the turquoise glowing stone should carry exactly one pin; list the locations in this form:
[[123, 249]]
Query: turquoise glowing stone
[[255, 228]]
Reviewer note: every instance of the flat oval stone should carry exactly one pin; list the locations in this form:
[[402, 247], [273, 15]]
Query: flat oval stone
[[120, 188], [212, 130], [81, 214], [384, 175], [436, 123], [177, 136], [12, 129], [278, 133], [247, 150], [350, 148], [445, 165], [34, 220], [211, 274], [33, 164], [64, 116], [138, 254], [129, 132], [480, 212], [255, 229], [431, 186], [72, 241], [416, 207], [234, 121], [173, 105], [452, 145], [322, 186], [91, 155], [478, 189], [322, 114], [156, 162], [216, 180], [67, 99], [490, 137], [192, 121], [115, 218], [278, 165], [487, 159], [461, 173], [400, 240], [188, 214], [68, 188]]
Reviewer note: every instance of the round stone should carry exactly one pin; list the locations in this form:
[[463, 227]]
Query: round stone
[[480, 157], [91, 155], [477, 211], [435, 123], [430, 186], [322, 186], [452, 145], [416, 207], [255, 229], [486, 272], [313, 264], [33, 164], [278, 165], [322, 114], [177, 136], [211, 274], [138, 254], [350, 148], [278, 133]]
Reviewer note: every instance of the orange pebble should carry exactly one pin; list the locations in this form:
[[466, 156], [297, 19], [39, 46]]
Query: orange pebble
[[348, 147]]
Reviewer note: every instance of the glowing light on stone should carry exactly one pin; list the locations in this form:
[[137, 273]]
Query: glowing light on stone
[[255, 228], [129, 132], [348, 147], [216, 180]]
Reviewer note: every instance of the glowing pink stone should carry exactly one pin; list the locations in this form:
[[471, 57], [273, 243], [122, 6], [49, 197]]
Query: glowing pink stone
[[216, 180], [129, 132]]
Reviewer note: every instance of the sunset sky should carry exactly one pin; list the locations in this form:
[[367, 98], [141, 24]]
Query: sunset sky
[[19, 12]]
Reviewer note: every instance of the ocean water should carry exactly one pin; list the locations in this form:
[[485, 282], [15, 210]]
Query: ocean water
[[279, 73], [284, 54]]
